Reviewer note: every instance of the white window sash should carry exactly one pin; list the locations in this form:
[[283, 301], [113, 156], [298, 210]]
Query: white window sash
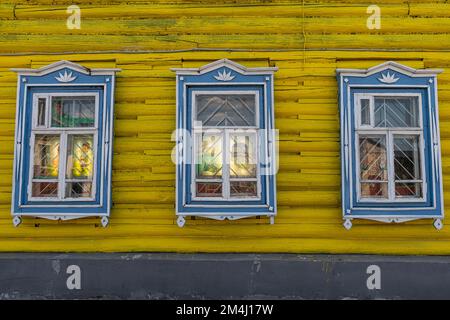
[[226, 179], [371, 97], [389, 134], [224, 92], [63, 134], [225, 131]]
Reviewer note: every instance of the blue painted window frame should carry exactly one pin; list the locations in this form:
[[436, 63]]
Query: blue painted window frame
[[68, 78], [212, 78], [390, 78]]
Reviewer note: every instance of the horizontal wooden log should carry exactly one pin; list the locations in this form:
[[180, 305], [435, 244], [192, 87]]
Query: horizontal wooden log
[[8, 92], [138, 161], [212, 244], [7, 111], [79, 43], [242, 56], [6, 11], [286, 109], [6, 144], [429, 10], [133, 127], [212, 2], [151, 11], [290, 162], [304, 146], [6, 128], [143, 197], [307, 198], [141, 109], [140, 175], [228, 25], [297, 126], [226, 230], [301, 181], [403, 42]]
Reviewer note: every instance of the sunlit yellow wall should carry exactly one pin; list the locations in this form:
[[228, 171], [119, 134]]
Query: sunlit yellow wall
[[307, 41]]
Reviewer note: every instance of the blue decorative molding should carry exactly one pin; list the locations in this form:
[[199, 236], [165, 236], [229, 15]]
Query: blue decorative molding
[[390, 78], [63, 77], [223, 75]]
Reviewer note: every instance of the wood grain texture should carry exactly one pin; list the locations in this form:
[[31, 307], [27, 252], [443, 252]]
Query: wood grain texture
[[306, 40], [40, 26]]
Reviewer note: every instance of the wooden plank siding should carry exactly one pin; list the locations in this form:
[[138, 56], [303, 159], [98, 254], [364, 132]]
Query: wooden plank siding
[[307, 40]]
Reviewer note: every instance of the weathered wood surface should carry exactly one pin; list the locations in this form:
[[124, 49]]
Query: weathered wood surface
[[40, 26], [416, 33]]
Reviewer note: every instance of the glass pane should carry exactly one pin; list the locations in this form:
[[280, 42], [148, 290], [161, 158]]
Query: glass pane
[[209, 189], [406, 157], [372, 152], [209, 156], [80, 156], [396, 112], [374, 190], [243, 188], [242, 156], [365, 112], [44, 189], [78, 189], [226, 110], [46, 156], [410, 190], [41, 112], [73, 111]]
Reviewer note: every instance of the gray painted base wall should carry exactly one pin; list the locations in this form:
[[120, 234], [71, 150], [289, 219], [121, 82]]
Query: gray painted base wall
[[222, 276]]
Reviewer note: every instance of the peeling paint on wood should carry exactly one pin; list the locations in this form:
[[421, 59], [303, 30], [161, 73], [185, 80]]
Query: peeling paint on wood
[[254, 33]]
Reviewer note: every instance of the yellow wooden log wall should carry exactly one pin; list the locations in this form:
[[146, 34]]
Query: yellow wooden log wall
[[307, 40]]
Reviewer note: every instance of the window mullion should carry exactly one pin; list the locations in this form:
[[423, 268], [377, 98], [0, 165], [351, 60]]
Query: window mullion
[[416, 151], [35, 112], [358, 111], [225, 164], [422, 164], [62, 164], [257, 158], [48, 111], [391, 173], [31, 173], [195, 150], [372, 110]]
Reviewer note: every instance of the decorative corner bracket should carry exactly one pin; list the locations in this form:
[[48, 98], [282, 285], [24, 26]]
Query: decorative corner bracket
[[181, 221], [438, 224], [17, 221], [105, 222], [348, 224]]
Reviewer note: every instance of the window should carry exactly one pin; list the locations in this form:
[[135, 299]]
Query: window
[[225, 140], [64, 139], [390, 148], [226, 161], [390, 144], [63, 142]]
